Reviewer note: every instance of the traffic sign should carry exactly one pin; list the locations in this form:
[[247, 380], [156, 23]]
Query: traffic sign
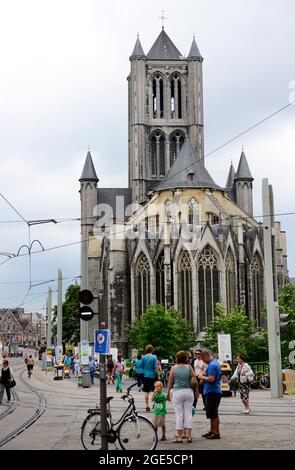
[[86, 313], [86, 297]]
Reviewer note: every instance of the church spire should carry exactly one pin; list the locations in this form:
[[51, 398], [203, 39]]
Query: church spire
[[194, 52], [229, 187], [89, 173], [138, 52], [243, 171]]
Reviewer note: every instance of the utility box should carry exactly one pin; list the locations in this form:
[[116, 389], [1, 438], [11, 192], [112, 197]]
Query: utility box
[[86, 377]]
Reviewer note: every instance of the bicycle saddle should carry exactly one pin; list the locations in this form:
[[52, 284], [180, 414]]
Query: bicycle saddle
[[109, 399]]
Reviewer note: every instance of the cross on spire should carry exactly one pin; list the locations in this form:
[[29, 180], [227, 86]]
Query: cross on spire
[[163, 18]]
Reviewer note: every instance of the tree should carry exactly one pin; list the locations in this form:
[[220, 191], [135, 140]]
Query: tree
[[246, 337], [70, 316], [287, 305], [165, 329]]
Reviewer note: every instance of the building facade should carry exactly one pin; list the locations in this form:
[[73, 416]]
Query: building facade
[[174, 236], [18, 328]]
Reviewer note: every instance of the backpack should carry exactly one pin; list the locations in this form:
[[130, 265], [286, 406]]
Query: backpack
[[110, 363]]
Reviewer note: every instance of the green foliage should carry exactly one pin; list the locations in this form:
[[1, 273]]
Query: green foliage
[[165, 329], [287, 305], [246, 337], [70, 316]]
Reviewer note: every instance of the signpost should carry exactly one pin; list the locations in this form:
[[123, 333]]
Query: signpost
[[224, 347]]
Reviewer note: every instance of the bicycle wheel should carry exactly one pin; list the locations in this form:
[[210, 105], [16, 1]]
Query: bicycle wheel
[[265, 382], [137, 433], [91, 431]]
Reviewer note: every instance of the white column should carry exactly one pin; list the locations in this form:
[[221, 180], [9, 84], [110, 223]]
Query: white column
[[59, 308]]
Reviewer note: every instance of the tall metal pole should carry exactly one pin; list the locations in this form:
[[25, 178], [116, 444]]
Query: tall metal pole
[[84, 278], [59, 308], [102, 381], [49, 309], [273, 322]]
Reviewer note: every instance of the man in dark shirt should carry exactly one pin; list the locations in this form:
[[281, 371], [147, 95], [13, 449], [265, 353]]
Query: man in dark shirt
[[212, 392]]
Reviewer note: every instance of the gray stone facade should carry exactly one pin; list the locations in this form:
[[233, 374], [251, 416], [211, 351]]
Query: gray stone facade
[[187, 243]]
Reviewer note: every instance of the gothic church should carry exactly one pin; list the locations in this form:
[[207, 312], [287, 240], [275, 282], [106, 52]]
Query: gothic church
[[173, 236]]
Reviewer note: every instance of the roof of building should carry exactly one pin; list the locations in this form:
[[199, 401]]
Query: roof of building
[[186, 163], [117, 199], [243, 171], [138, 51], [164, 49], [230, 182], [194, 52], [89, 173]]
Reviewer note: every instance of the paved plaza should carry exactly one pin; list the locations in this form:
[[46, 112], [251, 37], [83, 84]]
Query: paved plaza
[[271, 424]]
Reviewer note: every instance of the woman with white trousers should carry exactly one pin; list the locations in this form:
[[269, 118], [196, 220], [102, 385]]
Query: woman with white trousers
[[183, 396]]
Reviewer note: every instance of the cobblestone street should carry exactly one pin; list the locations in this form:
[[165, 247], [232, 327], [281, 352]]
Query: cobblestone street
[[271, 424]]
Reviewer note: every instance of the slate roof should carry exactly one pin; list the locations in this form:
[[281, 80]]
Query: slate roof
[[194, 52], [138, 50], [110, 196], [186, 163], [164, 49], [243, 171], [230, 182], [88, 173]]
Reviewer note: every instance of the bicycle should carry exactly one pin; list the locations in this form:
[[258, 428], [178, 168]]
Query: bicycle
[[261, 380], [30, 369], [133, 431]]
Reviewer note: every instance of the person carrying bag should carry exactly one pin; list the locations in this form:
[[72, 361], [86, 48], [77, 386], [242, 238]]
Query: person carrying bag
[[7, 381], [245, 375]]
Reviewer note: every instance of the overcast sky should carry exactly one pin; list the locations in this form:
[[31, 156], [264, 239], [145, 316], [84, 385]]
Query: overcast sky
[[63, 88]]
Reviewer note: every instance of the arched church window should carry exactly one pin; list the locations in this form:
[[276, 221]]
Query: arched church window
[[230, 281], [158, 96], [193, 212], [175, 97], [160, 279], [143, 283], [257, 287], [157, 155], [185, 286], [176, 141], [208, 286]]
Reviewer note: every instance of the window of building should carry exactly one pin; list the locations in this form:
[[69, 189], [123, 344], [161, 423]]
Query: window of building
[[213, 219], [257, 287], [185, 286], [158, 96], [193, 212], [208, 286], [143, 284], [230, 281], [160, 279], [175, 97], [157, 155], [176, 142]]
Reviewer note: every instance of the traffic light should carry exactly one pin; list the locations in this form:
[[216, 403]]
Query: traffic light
[[284, 317], [86, 298]]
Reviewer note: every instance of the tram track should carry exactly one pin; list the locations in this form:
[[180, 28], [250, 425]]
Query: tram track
[[41, 408]]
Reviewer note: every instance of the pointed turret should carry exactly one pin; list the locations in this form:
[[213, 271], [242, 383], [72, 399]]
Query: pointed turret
[[89, 173], [187, 172], [164, 49], [138, 52], [243, 185], [229, 187], [243, 171], [194, 53]]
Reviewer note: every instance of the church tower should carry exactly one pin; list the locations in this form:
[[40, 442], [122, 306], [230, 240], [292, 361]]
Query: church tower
[[165, 96]]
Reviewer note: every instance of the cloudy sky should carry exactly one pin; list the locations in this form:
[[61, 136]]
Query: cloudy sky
[[63, 88]]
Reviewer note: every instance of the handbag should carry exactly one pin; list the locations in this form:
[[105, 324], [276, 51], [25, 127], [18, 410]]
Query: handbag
[[12, 383], [193, 383]]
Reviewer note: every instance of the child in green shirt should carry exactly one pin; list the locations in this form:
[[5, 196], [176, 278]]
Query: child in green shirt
[[159, 399]]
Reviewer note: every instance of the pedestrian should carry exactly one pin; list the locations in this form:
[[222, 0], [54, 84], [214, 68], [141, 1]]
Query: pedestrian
[[183, 396], [149, 365], [30, 365], [159, 399], [139, 372], [6, 378], [199, 368], [76, 365], [119, 371], [244, 374], [212, 391], [92, 369], [110, 368]]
